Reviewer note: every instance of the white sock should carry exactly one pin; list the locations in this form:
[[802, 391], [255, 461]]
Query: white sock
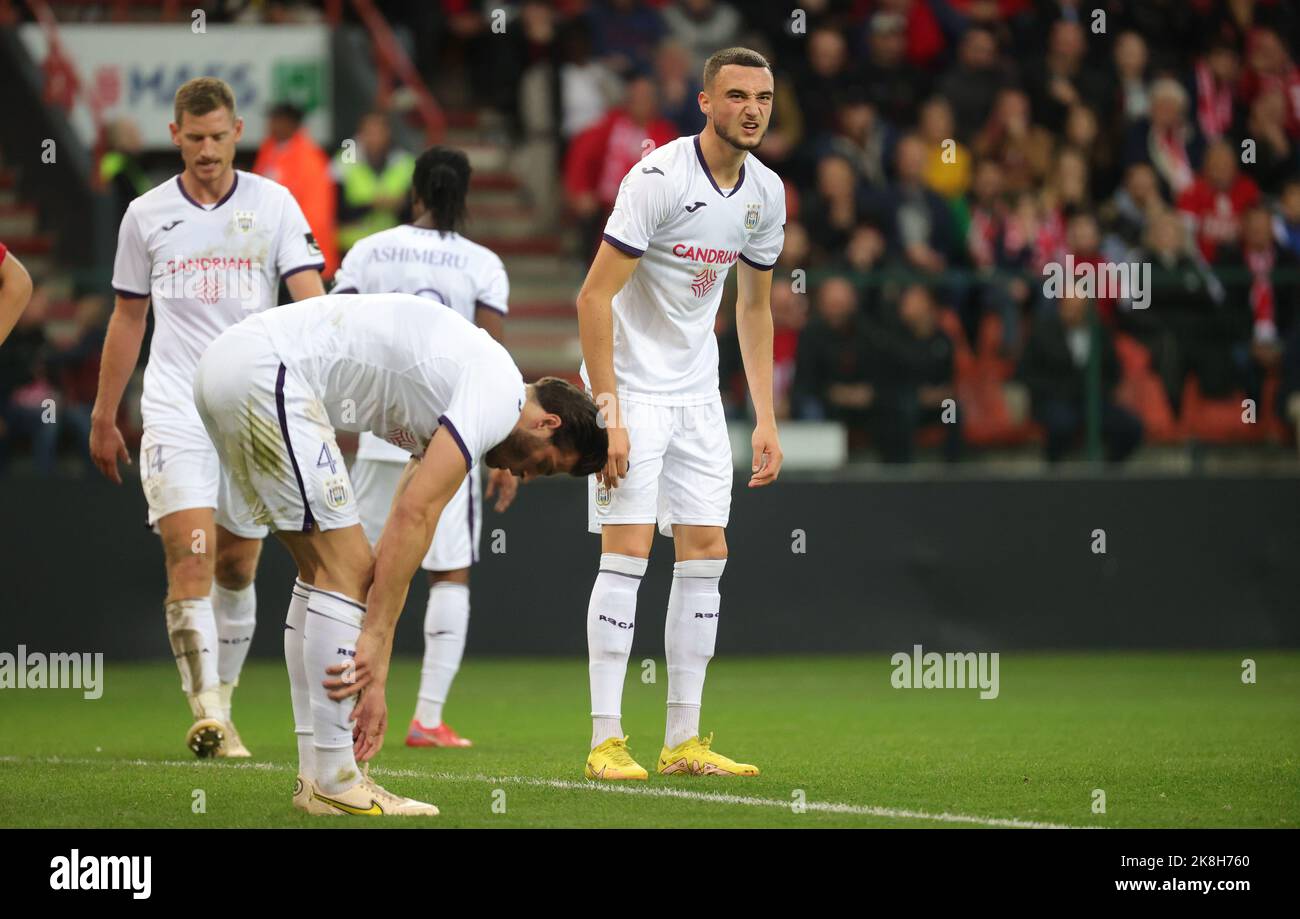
[[611, 619], [235, 612], [690, 631], [446, 623], [294, 626], [192, 631], [333, 624]]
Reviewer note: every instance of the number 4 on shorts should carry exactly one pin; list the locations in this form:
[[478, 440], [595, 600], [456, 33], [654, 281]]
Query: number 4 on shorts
[[326, 459]]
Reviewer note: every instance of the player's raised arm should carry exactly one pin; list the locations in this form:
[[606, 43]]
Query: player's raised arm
[[122, 343], [15, 291], [608, 273], [754, 328]]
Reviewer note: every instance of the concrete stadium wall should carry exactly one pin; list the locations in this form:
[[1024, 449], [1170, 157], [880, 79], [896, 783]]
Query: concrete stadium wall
[[952, 565]]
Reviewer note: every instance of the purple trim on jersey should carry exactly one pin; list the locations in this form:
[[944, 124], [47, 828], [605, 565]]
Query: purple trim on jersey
[[480, 305], [130, 293], [622, 246], [759, 265], [473, 548], [445, 422], [344, 290], [699, 153], [224, 198], [292, 271], [308, 521]]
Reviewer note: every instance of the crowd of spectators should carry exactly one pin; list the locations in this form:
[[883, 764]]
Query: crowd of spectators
[[938, 156]]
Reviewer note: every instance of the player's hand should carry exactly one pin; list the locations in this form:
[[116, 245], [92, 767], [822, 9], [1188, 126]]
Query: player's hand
[[767, 456], [106, 447], [369, 667], [503, 483], [371, 723], [616, 461]]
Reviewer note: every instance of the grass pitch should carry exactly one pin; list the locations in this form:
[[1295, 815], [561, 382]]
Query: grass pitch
[[1173, 740]]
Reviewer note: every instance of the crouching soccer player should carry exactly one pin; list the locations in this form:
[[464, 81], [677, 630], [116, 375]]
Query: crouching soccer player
[[272, 391]]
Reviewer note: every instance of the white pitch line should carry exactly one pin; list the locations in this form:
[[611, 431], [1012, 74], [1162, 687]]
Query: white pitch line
[[828, 807]]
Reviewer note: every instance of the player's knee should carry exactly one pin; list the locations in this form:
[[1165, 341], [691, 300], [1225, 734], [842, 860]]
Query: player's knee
[[189, 575], [235, 570]]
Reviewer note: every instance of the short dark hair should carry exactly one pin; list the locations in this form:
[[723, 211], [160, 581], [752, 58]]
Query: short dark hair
[[742, 57], [287, 110], [202, 95], [580, 430]]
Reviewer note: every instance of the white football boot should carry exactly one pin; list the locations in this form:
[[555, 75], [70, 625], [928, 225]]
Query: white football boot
[[369, 799], [207, 735], [233, 748]]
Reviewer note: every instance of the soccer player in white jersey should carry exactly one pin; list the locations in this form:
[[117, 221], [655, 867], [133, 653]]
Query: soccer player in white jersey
[[430, 259], [684, 215], [206, 248], [272, 391]]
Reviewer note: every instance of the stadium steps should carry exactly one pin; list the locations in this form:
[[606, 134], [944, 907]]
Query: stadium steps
[[542, 330], [20, 231]]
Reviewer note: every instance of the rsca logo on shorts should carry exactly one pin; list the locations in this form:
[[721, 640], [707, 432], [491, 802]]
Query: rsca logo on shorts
[[336, 491]]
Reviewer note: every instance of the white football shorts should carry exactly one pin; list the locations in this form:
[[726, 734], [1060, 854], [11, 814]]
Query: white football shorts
[[679, 469], [455, 541], [273, 435], [180, 470]]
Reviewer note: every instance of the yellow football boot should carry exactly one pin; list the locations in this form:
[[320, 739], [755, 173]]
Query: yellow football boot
[[611, 761], [694, 757]]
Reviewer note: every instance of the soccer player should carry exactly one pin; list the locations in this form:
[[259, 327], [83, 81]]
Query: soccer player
[[15, 291], [272, 391], [207, 248], [429, 258], [684, 215]]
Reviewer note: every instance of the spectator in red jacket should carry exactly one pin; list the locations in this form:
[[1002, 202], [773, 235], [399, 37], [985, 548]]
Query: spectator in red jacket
[[1217, 198], [1269, 68], [602, 154]]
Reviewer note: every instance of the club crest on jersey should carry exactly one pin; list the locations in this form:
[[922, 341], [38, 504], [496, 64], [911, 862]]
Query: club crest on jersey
[[602, 496], [703, 282], [244, 221], [751, 216]]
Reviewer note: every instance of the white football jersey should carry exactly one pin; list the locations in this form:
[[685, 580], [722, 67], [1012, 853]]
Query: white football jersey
[[390, 365], [687, 233], [444, 267], [205, 268]]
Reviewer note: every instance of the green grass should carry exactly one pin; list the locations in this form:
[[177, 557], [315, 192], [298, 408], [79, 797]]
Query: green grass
[[1173, 739]]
